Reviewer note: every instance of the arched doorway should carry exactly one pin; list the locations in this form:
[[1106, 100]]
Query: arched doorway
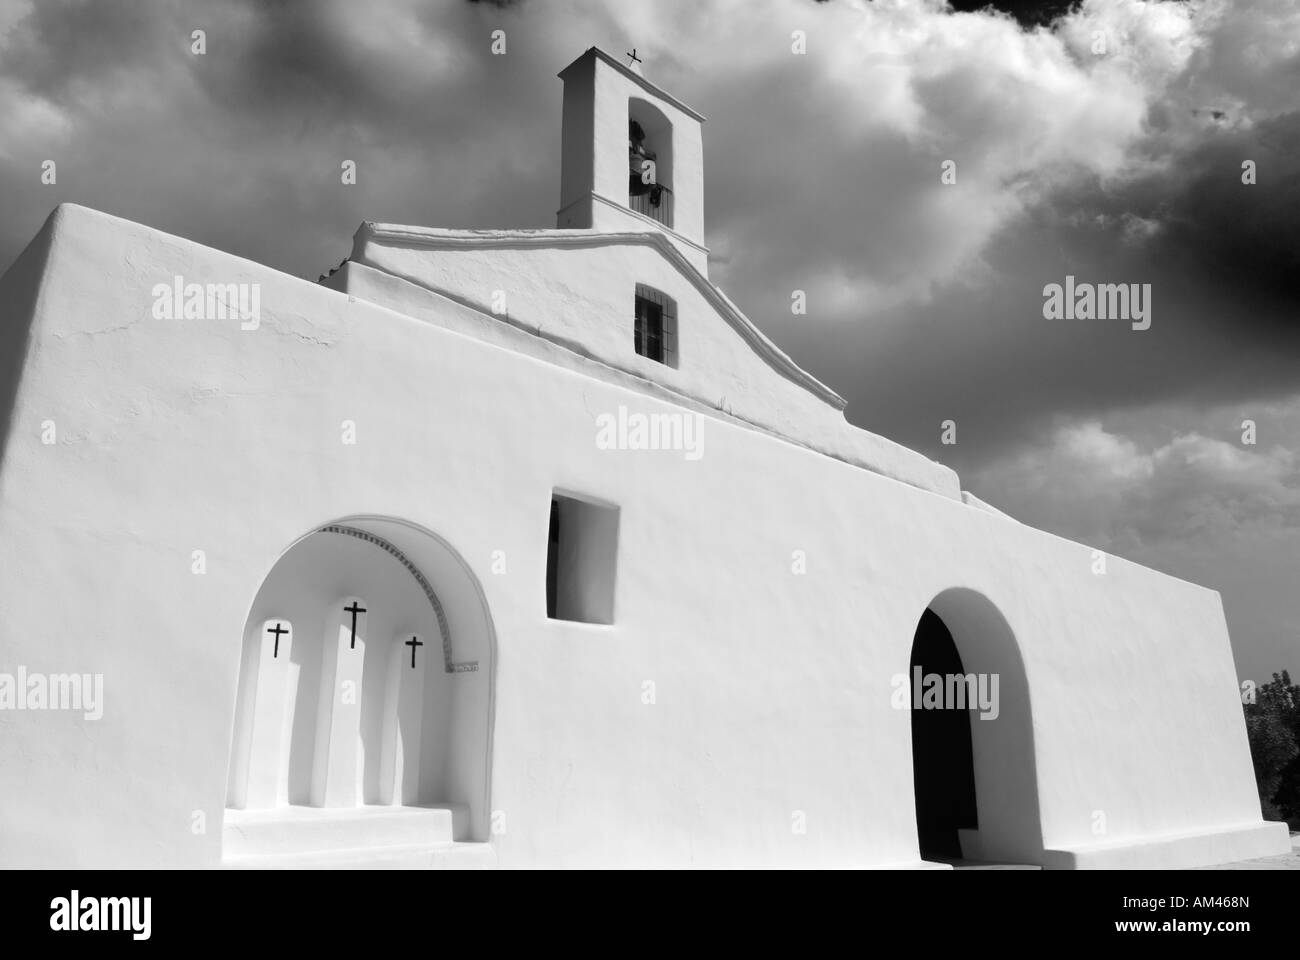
[[943, 768], [366, 685], [974, 770]]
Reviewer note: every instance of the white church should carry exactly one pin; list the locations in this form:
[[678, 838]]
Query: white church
[[526, 548]]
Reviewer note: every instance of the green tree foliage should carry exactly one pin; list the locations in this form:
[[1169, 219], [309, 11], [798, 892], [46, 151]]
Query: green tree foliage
[[1273, 726]]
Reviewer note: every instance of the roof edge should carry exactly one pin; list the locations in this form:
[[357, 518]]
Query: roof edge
[[637, 79]]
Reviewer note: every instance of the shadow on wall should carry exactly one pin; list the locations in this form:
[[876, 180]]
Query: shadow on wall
[[19, 288]]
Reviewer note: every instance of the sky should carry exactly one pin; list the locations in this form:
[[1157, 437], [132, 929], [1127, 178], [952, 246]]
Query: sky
[[1103, 140]]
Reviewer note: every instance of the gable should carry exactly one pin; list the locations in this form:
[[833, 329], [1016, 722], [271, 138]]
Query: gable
[[577, 286], [577, 289]]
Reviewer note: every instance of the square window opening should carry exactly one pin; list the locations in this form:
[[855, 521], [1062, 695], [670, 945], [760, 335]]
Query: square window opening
[[582, 546]]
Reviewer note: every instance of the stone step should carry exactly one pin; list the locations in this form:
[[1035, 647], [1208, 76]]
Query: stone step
[[296, 831], [990, 865], [429, 856]]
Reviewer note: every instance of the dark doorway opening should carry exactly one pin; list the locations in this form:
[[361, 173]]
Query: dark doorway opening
[[552, 558], [943, 766]]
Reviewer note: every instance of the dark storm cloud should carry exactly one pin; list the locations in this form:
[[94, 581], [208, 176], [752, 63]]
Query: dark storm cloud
[[1223, 262], [1027, 12], [1156, 197], [1223, 233], [822, 170], [822, 174], [240, 148]]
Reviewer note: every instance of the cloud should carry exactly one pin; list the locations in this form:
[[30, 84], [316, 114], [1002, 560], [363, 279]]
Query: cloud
[[1108, 490], [1176, 489], [896, 89], [1107, 167], [1113, 161]]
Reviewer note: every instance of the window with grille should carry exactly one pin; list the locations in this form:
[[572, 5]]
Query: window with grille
[[655, 333]]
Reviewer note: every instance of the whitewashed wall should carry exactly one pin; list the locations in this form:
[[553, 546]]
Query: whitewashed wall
[[772, 690]]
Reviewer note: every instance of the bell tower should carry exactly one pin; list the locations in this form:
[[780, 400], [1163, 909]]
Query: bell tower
[[631, 156]]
